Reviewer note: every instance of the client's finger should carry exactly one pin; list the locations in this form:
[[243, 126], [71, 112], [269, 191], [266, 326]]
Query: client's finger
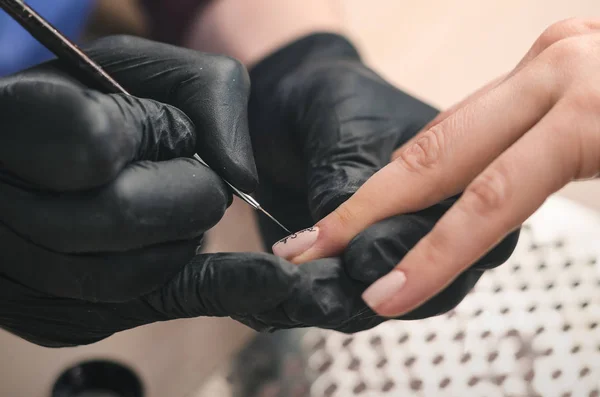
[[436, 164], [491, 207]]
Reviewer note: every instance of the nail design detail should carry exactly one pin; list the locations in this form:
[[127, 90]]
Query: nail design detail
[[295, 244], [295, 235]]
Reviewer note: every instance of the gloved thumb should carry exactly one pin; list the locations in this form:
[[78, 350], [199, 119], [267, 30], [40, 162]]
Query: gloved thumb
[[108, 132], [226, 285]]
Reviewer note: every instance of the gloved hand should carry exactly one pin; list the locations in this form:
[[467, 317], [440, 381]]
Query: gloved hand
[[101, 208], [321, 124]]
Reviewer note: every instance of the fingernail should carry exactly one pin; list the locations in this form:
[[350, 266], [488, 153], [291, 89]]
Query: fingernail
[[384, 289], [295, 244]]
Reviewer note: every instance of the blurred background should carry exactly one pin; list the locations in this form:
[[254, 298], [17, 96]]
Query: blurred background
[[437, 50]]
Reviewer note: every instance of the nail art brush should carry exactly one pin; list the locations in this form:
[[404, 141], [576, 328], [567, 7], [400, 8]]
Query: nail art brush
[[68, 52]]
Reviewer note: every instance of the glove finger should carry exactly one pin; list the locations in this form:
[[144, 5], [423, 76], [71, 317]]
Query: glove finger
[[378, 249], [149, 203], [352, 132], [226, 284], [325, 296], [106, 278], [60, 137], [50, 321], [448, 298], [211, 90], [331, 121]]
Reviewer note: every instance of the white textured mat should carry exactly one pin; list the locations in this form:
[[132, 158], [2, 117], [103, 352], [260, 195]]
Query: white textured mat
[[530, 328]]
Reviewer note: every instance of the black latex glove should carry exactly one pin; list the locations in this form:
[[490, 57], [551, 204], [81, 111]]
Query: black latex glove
[[321, 124], [101, 208]]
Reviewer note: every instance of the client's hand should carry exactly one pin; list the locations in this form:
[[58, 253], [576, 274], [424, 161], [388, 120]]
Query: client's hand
[[322, 123], [509, 146]]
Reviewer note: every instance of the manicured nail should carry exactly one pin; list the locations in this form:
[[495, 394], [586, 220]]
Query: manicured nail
[[384, 289], [295, 244]]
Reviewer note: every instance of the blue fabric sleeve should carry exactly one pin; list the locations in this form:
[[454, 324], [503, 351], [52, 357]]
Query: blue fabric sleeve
[[18, 50]]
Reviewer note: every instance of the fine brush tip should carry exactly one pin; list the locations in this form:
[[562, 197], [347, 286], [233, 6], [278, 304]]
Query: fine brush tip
[[274, 220]]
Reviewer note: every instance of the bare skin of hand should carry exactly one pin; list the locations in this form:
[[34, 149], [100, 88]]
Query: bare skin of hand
[[250, 30], [507, 147]]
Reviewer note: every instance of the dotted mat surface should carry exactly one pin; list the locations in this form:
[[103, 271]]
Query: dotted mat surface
[[530, 328]]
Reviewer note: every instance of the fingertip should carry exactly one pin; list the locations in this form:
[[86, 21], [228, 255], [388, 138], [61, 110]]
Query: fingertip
[[216, 194], [247, 175], [223, 138], [238, 157], [381, 296], [325, 239], [212, 182], [229, 199], [296, 244], [236, 166], [179, 197]]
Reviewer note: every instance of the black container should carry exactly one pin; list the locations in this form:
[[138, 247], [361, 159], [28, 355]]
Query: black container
[[98, 379]]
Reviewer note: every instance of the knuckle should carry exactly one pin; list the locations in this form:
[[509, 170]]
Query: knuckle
[[488, 193], [435, 249], [424, 153], [206, 195], [542, 82], [343, 217], [121, 212], [218, 207], [567, 53], [583, 98], [231, 71], [579, 149], [95, 156], [562, 30]]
